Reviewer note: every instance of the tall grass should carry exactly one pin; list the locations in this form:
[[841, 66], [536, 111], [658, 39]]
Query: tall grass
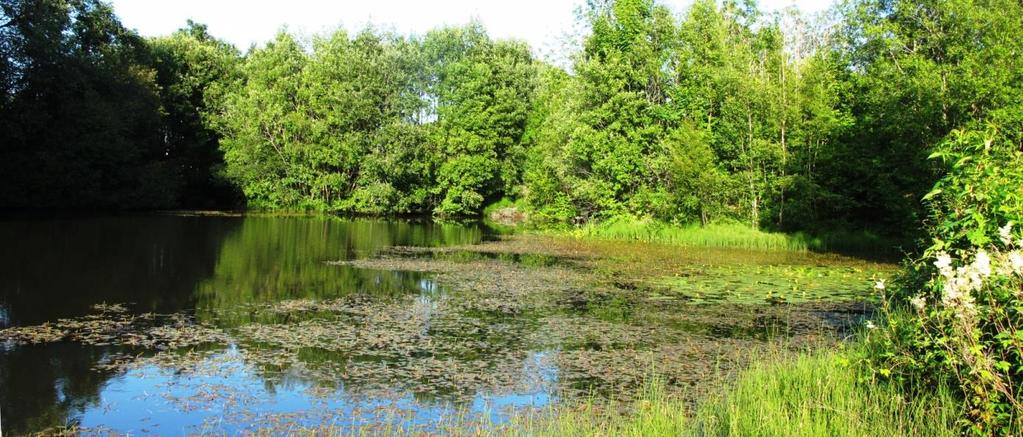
[[819, 394], [734, 236], [809, 394], [738, 236]]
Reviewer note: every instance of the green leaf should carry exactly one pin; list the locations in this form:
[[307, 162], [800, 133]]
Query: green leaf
[[933, 193]]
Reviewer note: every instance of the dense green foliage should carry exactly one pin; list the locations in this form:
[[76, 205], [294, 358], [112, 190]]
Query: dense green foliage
[[378, 123], [956, 317], [194, 73], [93, 116], [80, 121], [720, 114], [729, 115]]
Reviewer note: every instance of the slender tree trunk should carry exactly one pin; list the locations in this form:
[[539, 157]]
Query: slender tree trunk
[[755, 198], [784, 148]]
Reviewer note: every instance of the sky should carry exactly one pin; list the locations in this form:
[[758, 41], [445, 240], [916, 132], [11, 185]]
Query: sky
[[543, 23]]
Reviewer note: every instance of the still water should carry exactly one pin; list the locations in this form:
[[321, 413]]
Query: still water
[[184, 324], [56, 268]]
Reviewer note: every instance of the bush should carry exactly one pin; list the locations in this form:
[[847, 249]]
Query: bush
[[957, 314]]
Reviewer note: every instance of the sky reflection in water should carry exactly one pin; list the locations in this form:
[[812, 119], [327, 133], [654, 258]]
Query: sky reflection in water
[[317, 321]]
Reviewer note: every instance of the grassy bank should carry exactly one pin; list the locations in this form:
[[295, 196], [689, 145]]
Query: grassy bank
[[736, 236], [810, 394], [785, 394], [719, 235]]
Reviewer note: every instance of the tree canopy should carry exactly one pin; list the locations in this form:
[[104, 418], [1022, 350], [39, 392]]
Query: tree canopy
[[720, 114]]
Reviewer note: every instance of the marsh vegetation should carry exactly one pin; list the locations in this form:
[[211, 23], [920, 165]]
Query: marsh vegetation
[[386, 324]]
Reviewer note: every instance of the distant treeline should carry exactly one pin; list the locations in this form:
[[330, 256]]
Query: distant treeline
[[722, 114]]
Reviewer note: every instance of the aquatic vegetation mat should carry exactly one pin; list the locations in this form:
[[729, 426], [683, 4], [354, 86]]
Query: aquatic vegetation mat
[[532, 318]]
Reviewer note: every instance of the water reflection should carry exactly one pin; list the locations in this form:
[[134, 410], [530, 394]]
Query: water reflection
[[59, 267], [234, 400], [307, 321], [154, 262]]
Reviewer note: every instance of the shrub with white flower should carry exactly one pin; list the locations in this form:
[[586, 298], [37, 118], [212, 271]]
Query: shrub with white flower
[[971, 327], [955, 317], [959, 285]]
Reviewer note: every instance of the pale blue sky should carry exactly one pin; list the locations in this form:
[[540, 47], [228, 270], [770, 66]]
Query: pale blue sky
[[543, 23]]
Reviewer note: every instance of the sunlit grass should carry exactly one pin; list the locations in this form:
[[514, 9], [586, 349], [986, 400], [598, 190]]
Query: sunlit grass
[[820, 394], [718, 235], [816, 393], [734, 236]]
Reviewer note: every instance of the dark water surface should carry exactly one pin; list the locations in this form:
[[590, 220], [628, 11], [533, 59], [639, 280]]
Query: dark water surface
[[185, 324], [54, 268]]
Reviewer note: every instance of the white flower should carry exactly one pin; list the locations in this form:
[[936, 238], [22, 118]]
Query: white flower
[[1016, 260], [944, 264], [974, 281], [919, 302], [954, 289], [951, 294], [957, 289], [949, 298], [1005, 232], [879, 285], [982, 264], [871, 325]]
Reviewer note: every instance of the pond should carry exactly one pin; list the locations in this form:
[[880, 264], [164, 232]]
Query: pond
[[192, 323]]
